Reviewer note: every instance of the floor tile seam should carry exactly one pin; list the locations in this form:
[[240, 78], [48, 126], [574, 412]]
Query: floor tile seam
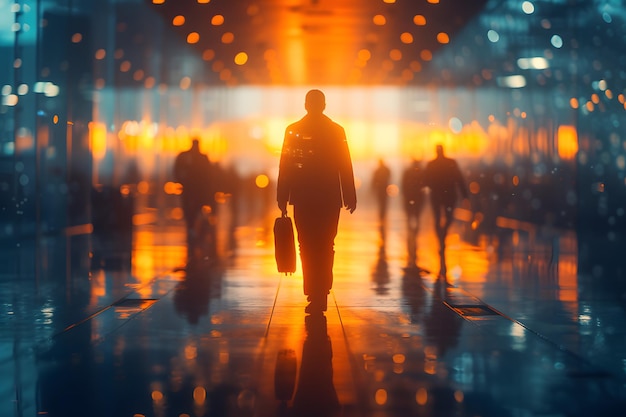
[[357, 375], [102, 310], [536, 333]]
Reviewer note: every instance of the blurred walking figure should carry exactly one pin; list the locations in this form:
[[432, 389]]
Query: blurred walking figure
[[192, 169], [443, 176], [380, 182], [316, 177], [413, 194]]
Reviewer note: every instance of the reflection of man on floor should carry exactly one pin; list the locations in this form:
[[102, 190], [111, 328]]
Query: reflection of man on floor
[[316, 177], [443, 176], [316, 395]]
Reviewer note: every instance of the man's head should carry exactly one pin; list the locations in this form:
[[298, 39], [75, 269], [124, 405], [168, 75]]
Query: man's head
[[315, 102], [439, 149], [195, 144]]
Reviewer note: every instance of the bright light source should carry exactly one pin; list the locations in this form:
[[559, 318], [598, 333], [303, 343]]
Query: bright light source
[[538, 63], [528, 7], [512, 81]]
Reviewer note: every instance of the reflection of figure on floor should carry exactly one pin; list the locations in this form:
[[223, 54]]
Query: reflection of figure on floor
[[414, 293], [381, 270], [442, 324], [192, 169], [315, 393], [202, 279], [413, 195], [316, 177], [443, 176], [192, 295], [380, 182], [443, 269]]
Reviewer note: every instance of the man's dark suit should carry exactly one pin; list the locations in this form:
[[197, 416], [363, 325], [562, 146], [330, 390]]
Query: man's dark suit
[[316, 177]]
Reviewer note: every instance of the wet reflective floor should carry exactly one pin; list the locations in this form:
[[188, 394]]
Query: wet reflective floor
[[142, 325]]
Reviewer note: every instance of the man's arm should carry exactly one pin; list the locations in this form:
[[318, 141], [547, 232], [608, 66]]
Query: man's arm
[[346, 173], [284, 179]]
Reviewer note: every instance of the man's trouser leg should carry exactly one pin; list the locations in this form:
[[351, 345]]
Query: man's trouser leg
[[317, 228]]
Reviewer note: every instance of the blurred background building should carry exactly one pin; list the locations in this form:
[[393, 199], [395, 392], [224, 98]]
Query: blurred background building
[[99, 96]]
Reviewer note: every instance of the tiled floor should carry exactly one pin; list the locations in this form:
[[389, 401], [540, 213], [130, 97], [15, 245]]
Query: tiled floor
[[518, 328]]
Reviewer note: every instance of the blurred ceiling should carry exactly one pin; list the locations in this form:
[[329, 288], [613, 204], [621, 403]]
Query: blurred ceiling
[[318, 42]]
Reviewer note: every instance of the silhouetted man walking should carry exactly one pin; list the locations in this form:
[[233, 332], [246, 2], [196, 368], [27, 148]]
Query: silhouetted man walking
[[380, 182], [443, 176], [316, 177]]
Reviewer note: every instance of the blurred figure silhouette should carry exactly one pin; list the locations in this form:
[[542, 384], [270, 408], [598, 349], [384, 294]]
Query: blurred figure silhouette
[[443, 176], [380, 182], [316, 177], [192, 295], [315, 393], [192, 169], [413, 195]]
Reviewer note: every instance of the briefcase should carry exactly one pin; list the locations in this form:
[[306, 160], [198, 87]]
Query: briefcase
[[284, 245]]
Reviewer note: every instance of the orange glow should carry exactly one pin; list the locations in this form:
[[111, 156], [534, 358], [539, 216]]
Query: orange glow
[[392, 190], [228, 37], [185, 83], [217, 20], [241, 58], [459, 396], [157, 396], [158, 1], [125, 66], [100, 54], [364, 55], [208, 54], [381, 396], [77, 37], [177, 213], [426, 55], [143, 187], [433, 1], [262, 181], [203, 1], [567, 142], [379, 20], [395, 54], [199, 395], [191, 352], [443, 38], [172, 188], [178, 20], [419, 20], [406, 37], [193, 37], [421, 397], [97, 140], [415, 66]]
